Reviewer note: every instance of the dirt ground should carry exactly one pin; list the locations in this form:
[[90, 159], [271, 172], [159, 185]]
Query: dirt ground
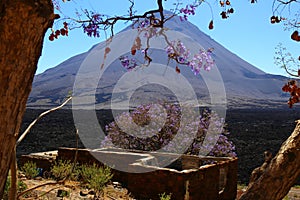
[[71, 190], [112, 192]]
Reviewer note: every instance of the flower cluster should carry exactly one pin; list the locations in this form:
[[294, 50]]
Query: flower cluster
[[188, 10], [92, 28], [155, 126], [202, 59], [127, 63], [178, 52], [143, 24]]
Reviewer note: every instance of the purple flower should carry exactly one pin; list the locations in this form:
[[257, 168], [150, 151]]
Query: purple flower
[[127, 63], [91, 30], [188, 10]]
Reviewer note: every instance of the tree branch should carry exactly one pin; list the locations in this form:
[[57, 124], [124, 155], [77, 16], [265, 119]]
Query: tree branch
[[280, 174], [286, 2], [39, 117]]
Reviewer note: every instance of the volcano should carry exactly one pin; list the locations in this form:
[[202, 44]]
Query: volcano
[[245, 85]]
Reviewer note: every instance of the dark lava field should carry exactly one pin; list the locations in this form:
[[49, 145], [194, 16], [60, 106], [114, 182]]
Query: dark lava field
[[253, 131]]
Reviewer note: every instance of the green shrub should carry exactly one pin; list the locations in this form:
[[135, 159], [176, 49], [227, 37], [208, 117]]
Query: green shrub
[[165, 196], [62, 169], [95, 177], [30, 170], [63, 193], [21, 186]]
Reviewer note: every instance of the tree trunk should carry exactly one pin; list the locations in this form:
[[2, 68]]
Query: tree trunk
[[281, 173], [23, 24]]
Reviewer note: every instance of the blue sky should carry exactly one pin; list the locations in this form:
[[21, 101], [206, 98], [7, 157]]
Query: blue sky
[[247, 33]]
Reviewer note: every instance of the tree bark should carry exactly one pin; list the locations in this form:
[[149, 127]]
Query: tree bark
[[23, 24], [281, 174]]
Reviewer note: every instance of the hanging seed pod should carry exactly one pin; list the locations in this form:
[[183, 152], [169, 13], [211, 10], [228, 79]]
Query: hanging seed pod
[[273, 19], [211, 25], [224, 15], [230, 10], [295, 36], [177, 70]]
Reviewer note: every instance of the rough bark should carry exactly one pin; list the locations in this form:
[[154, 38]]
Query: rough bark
[[23, 24], [281, 173]]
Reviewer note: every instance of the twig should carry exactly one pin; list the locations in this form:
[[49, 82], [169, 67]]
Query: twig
[[286, 2], [111, 197], [38, 186], [289, 73], [48, 192], [39, 117]]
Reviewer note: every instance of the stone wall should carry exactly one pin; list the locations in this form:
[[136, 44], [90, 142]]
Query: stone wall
[[186, 178]]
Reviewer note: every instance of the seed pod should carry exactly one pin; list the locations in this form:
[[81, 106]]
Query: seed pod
[[107, 50], [51, 37], [295, 36], [65, 25], [224, 15], [138, 43], [177, 70], [133, 50], [57, 32], [62, 31], [211, 25], [230, 10], [285, 88], [273, 19], [292, 82]]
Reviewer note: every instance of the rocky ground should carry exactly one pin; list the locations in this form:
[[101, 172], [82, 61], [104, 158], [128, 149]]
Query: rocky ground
[[71, 190], [252, 130]]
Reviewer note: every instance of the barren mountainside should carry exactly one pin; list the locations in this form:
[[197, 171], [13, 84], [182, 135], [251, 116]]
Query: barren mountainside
[[245, 84]]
